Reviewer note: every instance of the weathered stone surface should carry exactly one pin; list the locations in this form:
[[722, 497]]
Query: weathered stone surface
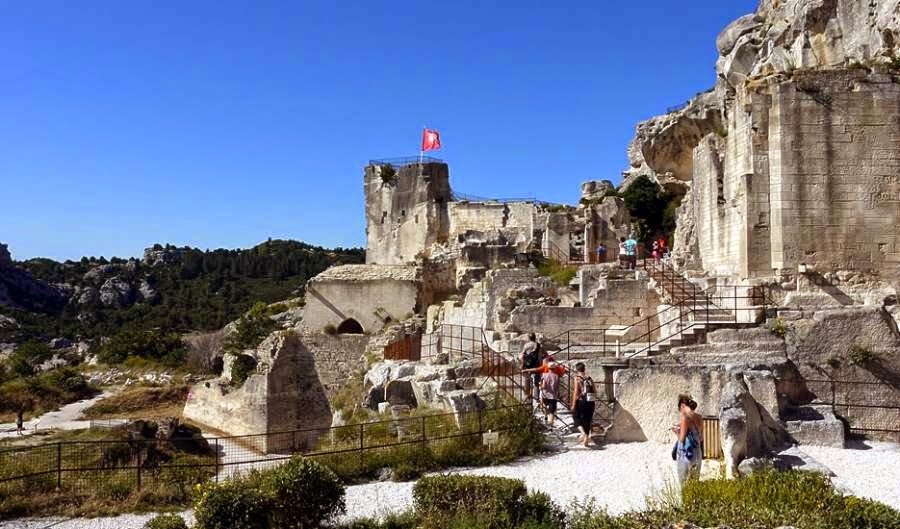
[[595, 189], [463, 402], [400, 393], [285, 393], [117, 292], [814, 425], [20, 290], [747, 429], [374, 397], [159, 255], [8, 322]]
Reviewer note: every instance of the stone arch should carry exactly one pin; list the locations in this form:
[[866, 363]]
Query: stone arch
[[350, 326]]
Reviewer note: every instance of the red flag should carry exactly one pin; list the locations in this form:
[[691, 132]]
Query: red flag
[[431, 140]]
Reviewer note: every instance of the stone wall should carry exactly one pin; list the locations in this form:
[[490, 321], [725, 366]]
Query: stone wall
[[616, 302], [284, 394], [407, 213], [487, 216], [370, 294]]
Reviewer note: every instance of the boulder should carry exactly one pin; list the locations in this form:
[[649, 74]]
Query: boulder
[[94, 275], [462, 403], [467, 369], [8, 322], [814, 425], [747, 428], [60, 343], [87, 296], [116, 292], [147, 292], [728, 37], [595, 189], [374, 397], [400, 393]]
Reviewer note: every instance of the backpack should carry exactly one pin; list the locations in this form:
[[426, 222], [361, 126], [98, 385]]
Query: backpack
[[588, 392], [532, 358]]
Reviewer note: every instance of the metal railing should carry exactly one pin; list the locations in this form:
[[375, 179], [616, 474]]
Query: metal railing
[[869, 407], [81, 466], [408, 347], [408, 160]]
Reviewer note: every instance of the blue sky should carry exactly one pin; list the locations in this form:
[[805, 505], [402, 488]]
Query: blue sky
[[219, 124]]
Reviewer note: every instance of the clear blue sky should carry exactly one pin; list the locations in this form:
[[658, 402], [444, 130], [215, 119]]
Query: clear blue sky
[[219, 124]]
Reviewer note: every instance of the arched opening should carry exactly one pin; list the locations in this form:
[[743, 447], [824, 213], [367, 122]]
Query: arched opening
[[350, 326]]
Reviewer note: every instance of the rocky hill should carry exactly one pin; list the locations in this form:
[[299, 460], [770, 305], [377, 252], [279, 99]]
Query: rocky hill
[[176, 289]]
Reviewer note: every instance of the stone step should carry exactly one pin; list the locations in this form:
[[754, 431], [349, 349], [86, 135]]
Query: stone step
[[814, 425]]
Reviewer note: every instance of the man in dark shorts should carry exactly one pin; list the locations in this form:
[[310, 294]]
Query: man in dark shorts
[[531, 359], [583, 403]]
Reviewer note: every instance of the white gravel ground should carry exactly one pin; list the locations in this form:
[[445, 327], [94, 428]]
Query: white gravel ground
[[868, 469], [619, 477]]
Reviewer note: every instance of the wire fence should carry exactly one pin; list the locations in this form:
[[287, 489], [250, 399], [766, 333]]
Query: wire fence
[[83, 467]]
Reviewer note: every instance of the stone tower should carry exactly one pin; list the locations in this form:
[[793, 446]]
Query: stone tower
[[406, 209]]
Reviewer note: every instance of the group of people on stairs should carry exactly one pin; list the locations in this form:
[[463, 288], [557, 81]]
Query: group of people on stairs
[[542, 379]]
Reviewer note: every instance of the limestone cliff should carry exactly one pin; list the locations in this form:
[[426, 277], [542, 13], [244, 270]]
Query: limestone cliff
[[792, 158]]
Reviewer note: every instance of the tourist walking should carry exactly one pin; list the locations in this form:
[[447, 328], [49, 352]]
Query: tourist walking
[[631, 252], [601, 253], [550, 393], [688, 450], [655, 253], [532, 359], [584, 398], [623, 253], [20, 422]]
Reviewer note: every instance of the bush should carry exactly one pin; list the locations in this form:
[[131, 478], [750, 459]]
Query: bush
[[861, 356], [494, 502], [250, 330], [775, 498], [167, 521], [234, 504], [303, 494], [149, 345], [241, 369], [28, 356], [559, 273]]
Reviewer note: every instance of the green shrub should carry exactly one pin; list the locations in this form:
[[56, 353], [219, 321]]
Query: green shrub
[[233, 504], [776, 498], [303, 494], [28, 356], [250, 329], [167, 521], [241, 369], [778, 327], [492, 501], [404, 520], [561, 274], [154, 345], [861, 356]]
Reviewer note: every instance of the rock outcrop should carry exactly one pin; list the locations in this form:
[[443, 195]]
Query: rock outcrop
[[20, 290], [747, 428]]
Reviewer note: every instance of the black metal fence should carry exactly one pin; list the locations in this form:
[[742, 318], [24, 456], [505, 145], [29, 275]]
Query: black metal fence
[[109, 466], [870, 408]]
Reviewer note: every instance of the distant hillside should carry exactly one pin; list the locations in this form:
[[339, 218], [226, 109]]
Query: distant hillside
[[172, 288]]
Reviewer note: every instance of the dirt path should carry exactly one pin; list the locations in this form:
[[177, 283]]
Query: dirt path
[[66, 418]]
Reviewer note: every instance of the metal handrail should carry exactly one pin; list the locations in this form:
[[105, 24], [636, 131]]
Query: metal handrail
[[403, 161]]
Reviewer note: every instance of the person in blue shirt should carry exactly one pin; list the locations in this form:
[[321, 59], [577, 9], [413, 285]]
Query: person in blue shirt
[[631, 252]]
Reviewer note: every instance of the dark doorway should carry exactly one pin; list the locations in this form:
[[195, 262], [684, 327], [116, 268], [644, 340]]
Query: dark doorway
[[350, 326]]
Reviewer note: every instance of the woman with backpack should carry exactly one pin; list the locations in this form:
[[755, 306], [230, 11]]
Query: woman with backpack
[[584, 399]]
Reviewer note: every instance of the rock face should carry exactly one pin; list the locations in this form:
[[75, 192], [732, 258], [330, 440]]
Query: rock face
[[20, 290], [595, 189], [789, 159], [116, 292]]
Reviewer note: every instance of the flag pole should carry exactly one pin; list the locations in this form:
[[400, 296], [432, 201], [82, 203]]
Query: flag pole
[[422, 151]]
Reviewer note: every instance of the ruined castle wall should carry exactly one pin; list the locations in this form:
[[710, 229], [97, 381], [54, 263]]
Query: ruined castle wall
[[836, 180], [406, 213], [619, 303], [487, 216], [330, 302]]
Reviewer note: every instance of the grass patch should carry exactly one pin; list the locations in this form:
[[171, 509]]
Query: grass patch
[[43, 393], [560, 274], [461, 446], [141, 403], [168, 475]]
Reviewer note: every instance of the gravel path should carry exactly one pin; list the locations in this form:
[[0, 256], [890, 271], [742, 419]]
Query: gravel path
[[66, 418], [620, 477], [868, 469]]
